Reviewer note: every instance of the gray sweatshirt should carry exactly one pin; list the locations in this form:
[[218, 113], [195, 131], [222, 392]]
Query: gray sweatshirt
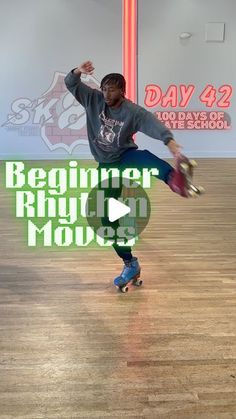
[[110, 130]]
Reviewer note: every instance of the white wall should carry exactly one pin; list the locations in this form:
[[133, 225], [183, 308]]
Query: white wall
[[38, 38], [164, 59]]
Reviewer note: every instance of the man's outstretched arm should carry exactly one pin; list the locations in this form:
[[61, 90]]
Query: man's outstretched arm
[[80, 90], [147, 123]]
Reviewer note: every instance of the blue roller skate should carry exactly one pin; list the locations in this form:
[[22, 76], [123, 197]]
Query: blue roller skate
[[131, 273]]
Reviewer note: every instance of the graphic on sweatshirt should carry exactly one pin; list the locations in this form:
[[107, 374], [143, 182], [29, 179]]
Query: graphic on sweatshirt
[[109, 134]]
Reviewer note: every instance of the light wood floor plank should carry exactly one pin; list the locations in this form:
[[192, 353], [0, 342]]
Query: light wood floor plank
[[72, 347]]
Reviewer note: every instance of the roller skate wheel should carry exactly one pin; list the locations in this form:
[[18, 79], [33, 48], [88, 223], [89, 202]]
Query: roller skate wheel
[[192, 194], [201, 190], [193, 163], [138, 283], [184, 166], [124, 288]]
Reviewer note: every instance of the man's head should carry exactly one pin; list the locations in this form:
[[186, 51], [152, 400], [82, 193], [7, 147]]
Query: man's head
[[113, 89]]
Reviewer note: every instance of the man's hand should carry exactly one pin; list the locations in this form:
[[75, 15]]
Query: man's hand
[[174, 147], [86, 68]]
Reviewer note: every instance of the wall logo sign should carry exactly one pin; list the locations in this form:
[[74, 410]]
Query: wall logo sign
[[55, 116], [180, 97]]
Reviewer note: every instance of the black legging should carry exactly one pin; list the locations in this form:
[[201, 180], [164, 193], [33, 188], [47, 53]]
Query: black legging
[[138, 159]]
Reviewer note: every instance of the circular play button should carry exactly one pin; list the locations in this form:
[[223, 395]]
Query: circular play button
[[117, 211]]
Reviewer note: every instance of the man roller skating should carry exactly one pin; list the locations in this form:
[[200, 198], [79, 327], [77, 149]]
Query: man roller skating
[[112, 120]]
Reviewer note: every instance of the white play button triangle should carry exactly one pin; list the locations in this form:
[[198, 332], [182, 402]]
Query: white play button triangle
[[116, 209]]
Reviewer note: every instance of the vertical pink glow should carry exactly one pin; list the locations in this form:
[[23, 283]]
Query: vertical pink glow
[[129, 29]]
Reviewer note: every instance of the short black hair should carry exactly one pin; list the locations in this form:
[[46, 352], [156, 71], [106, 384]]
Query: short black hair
[[114, 78]]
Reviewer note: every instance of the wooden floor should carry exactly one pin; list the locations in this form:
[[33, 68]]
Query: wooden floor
[[72, 347]]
